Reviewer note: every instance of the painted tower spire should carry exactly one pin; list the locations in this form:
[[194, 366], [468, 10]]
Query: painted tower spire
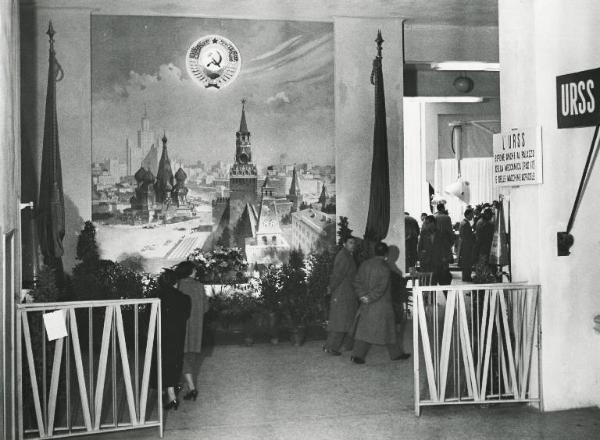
[[164, 176], [243, 125]]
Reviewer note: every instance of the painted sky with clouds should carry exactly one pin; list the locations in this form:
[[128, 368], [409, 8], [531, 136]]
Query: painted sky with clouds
[[286, 77]]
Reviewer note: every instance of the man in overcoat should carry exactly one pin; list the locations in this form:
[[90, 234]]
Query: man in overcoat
[[375, 322], [443, 224], [343, 305], [434, 253], [466, 245]]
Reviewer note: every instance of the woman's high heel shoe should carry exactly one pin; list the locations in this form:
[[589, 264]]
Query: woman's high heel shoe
[[191, 395], [173, 404]]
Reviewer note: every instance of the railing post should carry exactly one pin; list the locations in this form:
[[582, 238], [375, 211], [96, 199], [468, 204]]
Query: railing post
[[486, 349], [49, 417]]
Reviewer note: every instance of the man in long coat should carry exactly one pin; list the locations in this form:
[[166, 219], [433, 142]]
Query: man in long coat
[[434, 253], [466, 245], [343, 305], [375, 322]]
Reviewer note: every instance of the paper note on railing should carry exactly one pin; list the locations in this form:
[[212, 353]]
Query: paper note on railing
[[55, 325]]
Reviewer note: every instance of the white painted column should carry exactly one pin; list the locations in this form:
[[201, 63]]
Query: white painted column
[[540, 40], [10, 184]]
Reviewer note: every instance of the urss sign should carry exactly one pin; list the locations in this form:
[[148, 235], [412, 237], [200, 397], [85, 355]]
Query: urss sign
[[578, 99]]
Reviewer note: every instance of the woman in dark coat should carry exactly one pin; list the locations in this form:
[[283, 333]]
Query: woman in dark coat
[[343, 305], [175, 311]]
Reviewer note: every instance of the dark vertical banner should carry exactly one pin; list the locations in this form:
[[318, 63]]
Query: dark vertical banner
[[378, 219], [51, 206]]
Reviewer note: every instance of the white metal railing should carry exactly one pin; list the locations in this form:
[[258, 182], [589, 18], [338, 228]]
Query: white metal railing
[[98, 340], [478, 344]]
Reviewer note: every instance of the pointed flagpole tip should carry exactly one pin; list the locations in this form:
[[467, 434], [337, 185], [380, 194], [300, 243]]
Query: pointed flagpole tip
[[379, 40], [50, 31]]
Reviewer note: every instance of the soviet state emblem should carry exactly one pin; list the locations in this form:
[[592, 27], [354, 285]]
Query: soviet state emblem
[[213, 61]]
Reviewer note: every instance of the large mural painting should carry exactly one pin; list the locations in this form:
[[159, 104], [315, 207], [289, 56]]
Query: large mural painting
[[210, 132]]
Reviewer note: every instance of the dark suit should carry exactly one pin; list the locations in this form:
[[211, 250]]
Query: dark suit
[[443, 225], [435, 255], [466, 248], [484, 235], [411, 240]]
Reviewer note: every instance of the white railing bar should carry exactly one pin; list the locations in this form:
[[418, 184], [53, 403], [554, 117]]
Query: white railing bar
[[36, 307], [478, 402], [122, 427], [475, 287], [510, 311]]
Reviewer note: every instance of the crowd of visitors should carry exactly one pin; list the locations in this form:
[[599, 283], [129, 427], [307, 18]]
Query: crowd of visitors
[[432, 247]]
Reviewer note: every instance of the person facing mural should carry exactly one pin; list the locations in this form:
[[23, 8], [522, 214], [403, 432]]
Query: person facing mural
[[375, 321], [343, 304], [175, 311], [189, 285]]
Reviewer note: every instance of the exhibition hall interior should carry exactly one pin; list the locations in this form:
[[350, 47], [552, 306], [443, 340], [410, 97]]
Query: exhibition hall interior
[[297, 219]]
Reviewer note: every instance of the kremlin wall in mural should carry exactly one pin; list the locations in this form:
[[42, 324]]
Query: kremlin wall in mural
[[177, 167]]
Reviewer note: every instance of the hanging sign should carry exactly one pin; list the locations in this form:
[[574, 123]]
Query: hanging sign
[[578, 99], [518, 157]]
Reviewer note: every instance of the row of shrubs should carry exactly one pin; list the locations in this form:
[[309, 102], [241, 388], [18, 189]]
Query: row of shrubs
[[294, 293]]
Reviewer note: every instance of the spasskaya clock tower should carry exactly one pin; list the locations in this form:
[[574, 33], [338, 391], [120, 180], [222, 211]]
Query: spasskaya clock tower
[[242, 176]]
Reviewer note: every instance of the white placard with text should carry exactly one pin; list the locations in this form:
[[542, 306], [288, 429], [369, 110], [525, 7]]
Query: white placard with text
[[518, 157], [55, 325]]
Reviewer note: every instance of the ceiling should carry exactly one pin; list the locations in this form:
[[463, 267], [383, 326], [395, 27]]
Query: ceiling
[[444, 12]]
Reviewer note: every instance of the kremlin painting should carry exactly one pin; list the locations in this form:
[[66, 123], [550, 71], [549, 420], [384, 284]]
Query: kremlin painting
[[177, 166]]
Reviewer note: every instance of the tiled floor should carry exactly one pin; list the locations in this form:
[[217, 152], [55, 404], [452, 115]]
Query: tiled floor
[[284, 392]]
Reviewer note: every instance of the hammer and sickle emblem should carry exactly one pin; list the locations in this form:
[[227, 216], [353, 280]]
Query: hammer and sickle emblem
[[217, 62]]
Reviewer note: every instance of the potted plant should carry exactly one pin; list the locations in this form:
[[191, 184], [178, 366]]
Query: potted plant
[[235, 311], [271, 299], [297, 307], [319, 268]]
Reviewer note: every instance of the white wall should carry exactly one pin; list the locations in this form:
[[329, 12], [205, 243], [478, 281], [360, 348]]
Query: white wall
[[433, 42], [538, 41]]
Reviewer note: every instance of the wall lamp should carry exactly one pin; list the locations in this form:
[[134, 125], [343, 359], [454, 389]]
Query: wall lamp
[[466, 65]]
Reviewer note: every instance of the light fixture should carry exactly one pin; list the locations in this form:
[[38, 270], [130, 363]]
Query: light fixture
[[457, 99], [463, 84], [466, 65], [459, 189]]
